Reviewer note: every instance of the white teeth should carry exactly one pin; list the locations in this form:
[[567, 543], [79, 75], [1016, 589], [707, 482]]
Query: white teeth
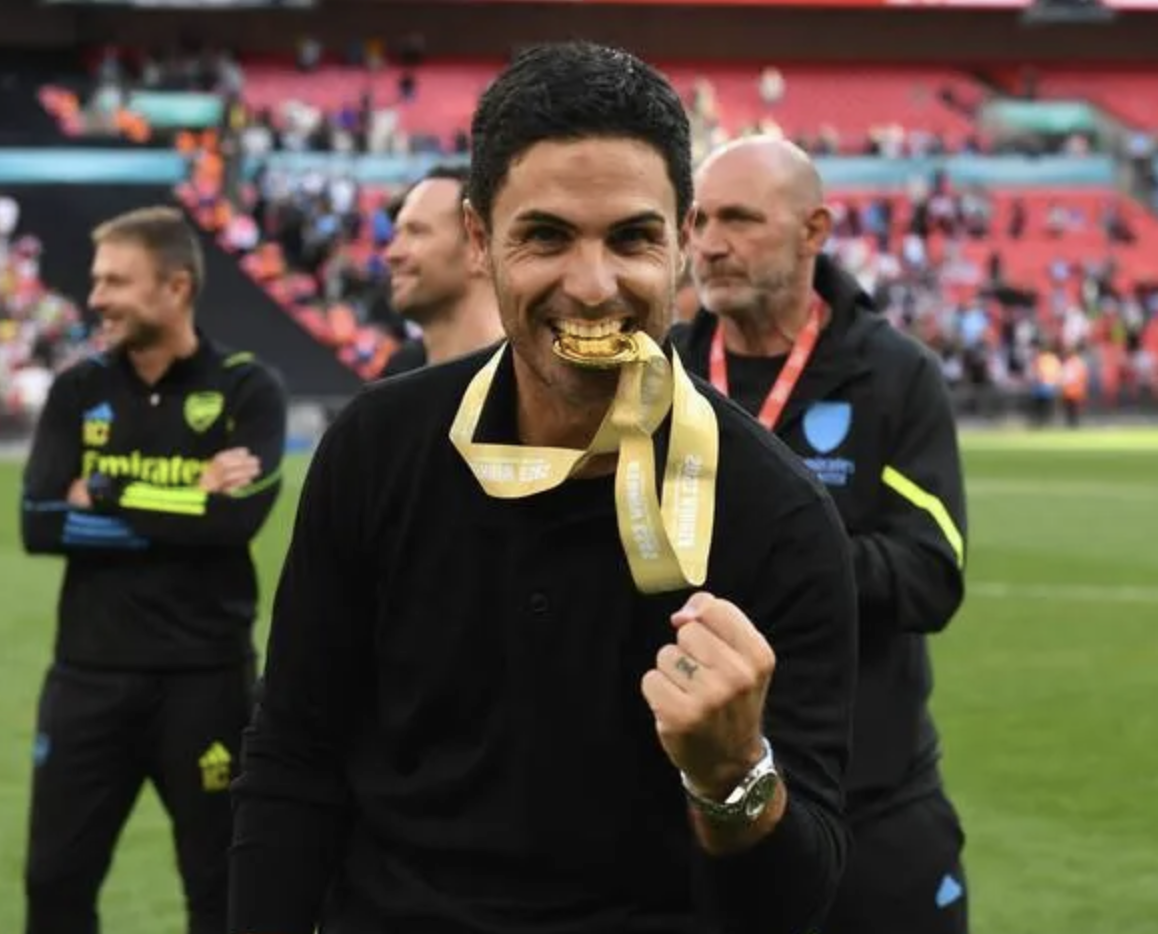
[[590, 329]]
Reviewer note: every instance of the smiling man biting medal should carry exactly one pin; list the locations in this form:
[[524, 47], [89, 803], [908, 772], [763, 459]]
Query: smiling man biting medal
[[564, 641]]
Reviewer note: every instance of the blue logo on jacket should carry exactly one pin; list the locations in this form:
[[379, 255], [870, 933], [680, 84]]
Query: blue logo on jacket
[[950, 891], [826, 426]]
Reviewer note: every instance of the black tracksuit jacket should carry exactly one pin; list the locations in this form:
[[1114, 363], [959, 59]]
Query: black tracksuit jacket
[[871, 415], [158, 573]]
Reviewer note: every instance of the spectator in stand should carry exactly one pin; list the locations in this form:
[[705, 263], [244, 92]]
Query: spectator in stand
[[772, 86], [438, 281], [1075, 381], [9, 219], [1045, 385], [29, 383], [1017, 219]]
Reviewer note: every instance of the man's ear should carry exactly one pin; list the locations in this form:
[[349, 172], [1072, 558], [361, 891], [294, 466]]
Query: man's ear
[[683, 241], [687, 225], [477, 241], [476, 231], [818, 228], [180, 283]]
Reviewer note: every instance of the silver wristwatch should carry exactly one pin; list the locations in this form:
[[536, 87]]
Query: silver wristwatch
[[748, 799]]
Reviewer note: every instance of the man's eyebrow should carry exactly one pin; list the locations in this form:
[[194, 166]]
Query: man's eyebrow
[[642, 219], [535, 216], [733, 212]]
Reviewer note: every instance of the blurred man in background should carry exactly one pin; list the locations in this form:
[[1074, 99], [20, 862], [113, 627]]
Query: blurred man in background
[[153, 467], [438, 281], [794, 340]]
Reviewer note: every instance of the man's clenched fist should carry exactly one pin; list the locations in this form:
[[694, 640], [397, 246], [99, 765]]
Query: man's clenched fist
[[707, 693]]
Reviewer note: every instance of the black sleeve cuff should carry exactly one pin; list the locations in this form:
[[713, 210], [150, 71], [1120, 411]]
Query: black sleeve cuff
[[281, 864], [782, 884]]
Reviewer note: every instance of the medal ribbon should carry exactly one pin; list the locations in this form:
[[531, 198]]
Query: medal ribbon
[[667, 546]]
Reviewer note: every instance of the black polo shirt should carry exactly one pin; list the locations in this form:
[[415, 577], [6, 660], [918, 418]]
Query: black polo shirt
[[454, 738], [411, 355]]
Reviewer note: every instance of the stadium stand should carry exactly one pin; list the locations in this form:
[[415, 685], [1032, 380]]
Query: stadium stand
[[1130, 94], [437, 109], [989, 273]]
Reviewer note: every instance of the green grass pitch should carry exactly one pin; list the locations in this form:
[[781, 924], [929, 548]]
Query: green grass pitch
[[1045, 693]]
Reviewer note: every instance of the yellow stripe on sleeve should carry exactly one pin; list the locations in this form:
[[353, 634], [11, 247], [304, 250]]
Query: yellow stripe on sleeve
[[185, 501], [258, 486], [926, 501]]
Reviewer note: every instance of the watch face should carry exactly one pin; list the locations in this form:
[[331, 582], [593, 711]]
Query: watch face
[[759, 795]]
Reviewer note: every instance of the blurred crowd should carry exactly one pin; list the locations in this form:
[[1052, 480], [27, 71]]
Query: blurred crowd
[[369, 117], [934, 257], [931, 257], [992, 332], [41, 331]]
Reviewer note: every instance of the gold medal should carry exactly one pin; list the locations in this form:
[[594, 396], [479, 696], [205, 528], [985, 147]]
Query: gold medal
[[598, 353]]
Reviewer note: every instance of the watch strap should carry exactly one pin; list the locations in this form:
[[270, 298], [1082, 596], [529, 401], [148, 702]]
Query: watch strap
[[734, 808]]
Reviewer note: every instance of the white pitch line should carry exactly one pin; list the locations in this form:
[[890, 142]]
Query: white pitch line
[[1073, 488], [1141, 440], [1091, 593], [1123, 447]]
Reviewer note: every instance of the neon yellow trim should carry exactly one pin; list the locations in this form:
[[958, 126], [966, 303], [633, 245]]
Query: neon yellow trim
[[177, 494], [177, 509], [188, 501], [258, 486], [237, 359], [925, 500]]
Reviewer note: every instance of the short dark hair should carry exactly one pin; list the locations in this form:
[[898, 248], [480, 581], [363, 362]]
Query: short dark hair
[[455, 173], [165, 233], [567, 92], [446, 171]]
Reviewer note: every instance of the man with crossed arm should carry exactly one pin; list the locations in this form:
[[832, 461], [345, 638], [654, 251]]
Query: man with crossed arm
[[153, 467]]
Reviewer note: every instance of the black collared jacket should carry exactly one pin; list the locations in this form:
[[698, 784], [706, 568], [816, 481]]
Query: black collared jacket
[[871, 416], [453, 737]]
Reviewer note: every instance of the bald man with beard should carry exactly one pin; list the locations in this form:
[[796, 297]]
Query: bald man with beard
[[795, 341]]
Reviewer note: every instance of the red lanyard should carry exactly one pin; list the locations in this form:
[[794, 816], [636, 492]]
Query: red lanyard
[[793, 366]]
